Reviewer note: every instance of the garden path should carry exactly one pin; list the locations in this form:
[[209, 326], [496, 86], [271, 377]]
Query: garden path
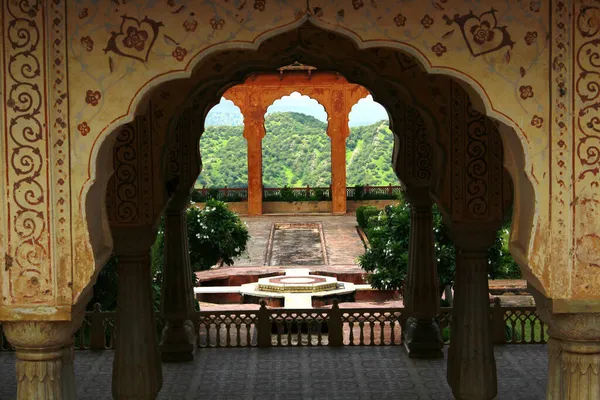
[[341, 238]]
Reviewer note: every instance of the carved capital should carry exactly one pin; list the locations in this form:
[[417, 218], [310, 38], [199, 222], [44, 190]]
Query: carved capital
[[577, 327], [36, 335], [44, 357]]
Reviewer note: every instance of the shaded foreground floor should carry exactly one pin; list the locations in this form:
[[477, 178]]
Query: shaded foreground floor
[[306, 373]]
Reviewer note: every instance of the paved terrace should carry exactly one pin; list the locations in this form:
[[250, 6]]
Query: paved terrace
[[306, 373], [342, 240]]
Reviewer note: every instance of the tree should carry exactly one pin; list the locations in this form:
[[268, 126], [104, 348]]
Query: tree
[[215, 234], [387, 257]]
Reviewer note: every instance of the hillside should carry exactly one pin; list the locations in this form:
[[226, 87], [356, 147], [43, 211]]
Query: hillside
[[296, 152]]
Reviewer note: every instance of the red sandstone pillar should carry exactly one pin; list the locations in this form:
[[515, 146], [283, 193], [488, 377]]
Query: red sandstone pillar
[[254, 131], [338, 132]]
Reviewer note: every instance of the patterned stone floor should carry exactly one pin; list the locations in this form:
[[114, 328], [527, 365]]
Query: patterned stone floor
[[307, 373]]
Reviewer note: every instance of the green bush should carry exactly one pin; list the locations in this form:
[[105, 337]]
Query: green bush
[[359, 192], [387, 257], [215, 234], [363, 213], [287, 194]]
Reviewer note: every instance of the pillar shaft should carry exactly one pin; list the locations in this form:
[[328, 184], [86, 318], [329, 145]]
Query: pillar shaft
[[137, 370], [178, 341], [44, 358], [471, 368], [422, 337], [254, 131], [338, 132]]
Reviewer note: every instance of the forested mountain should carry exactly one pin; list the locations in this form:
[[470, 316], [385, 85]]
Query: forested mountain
[[223, 119], [296, 152]]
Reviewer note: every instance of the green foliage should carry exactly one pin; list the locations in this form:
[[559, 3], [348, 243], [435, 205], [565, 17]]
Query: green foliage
[[387, 257], [363, 213], [359, 192], [215, 234], [107, 284], [296, 153], [287, 194]]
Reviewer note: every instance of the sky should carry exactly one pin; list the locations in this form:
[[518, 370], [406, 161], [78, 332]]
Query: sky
[[365, 112]]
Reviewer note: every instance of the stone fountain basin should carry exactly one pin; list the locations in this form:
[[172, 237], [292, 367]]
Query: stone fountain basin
[[297, 284]]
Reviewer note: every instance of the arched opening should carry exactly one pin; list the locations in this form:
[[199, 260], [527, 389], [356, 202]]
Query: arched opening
[[382, 90], [370, 146], [296, 149], [223, 148]]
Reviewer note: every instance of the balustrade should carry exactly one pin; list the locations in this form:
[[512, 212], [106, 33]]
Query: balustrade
[[300, 193], [274, 327]]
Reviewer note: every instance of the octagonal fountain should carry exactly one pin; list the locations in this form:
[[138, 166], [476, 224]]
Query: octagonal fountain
[[298, 289]]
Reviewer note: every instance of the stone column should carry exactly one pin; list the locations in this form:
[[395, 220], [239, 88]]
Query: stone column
[[137, 370], [421, 334], [44, 353], [338, 132], [573, 351], [254, 131], [553, 390], [580, 355], [178, 341], [471, 371]]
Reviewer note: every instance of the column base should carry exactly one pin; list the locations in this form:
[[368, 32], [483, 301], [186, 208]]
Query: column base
[[422, 338], [178, 342], [44, 358]]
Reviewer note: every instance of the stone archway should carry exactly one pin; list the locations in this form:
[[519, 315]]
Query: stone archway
[[552, 159], [332, 91], [475, 214]]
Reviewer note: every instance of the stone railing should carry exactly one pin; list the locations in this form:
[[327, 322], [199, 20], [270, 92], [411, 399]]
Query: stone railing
[[279, 327], [298, 193]]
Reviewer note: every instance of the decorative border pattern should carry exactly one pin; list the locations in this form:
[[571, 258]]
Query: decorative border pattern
[[58, 99], [559, 159], [29, 261], [587, 88], [476, 154]]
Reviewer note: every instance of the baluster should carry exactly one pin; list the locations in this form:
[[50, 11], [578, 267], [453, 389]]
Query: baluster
[[319, 324], [392, 332], [372, 333], [289, 323], [218, 332], [249, 326], [512, 325], [201, 339], [519, 327], [543, 330], [238, 338], [361, 325], [351, 325], [228, 323], [264, 326], [307, 322], [280, 329], [382, 332]]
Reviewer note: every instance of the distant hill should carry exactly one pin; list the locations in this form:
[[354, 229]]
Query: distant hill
[[296, 152]]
